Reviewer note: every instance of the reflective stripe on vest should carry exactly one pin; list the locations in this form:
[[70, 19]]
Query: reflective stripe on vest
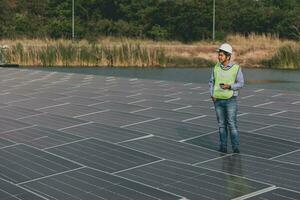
[[227, 76]]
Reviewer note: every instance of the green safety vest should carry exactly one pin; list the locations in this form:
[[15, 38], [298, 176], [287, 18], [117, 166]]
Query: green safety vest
[[227, 76]]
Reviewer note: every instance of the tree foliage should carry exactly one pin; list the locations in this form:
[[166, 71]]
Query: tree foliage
[[184, 20]]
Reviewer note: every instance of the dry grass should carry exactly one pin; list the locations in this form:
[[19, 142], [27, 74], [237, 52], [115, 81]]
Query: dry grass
[[287, 57], [252, 50], [249, 51]]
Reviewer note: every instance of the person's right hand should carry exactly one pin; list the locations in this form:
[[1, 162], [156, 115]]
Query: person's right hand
[[213, 99], [225, 86]]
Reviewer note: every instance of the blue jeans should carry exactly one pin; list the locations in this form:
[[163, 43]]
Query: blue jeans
[[226, 110]]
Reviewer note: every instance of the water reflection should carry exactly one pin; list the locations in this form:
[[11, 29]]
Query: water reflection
[[232, 164], [235, 186]]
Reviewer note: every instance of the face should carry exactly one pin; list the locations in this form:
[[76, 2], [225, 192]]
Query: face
[[222, 57]]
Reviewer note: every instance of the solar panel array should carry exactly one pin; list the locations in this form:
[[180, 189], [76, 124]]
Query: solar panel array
[[67, 136]]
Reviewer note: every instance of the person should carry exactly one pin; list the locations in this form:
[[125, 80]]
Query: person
[[225, 81]]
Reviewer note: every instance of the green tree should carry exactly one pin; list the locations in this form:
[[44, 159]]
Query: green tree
[[185, 20]]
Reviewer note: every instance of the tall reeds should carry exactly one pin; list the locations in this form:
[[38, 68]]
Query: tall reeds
[[252, 50], [287, 57], [73, 54]]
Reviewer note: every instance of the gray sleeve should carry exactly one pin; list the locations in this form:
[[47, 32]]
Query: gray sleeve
[[239, 83], [211, 83]]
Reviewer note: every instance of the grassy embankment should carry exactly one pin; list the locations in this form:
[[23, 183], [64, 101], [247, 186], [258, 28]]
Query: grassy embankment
[[251, 51]]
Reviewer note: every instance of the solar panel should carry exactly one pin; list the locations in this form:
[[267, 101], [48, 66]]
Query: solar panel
[[199, 110], [271, 120], [242, 124], [256, 110], [159, 104], [71, 110], [282, 106], [4, 142], [80, 100], [49, 95], [166, 114], [39, 137], [89, 184], [140, 95], [35, 103], [15, 112], [115, 118], [10, 191], [277, 194], [82, 93], [281, 174], [195, 102], [10, 97], [7, 125], [288, 114], [192, 182], [172, 150], [21, 163], [118, 106], [282, 132], [53, 121], [115, 98], [102, 155], [67, 136], [251, 144], [104, 132], [290, 157], [172, 129], [255, 101]]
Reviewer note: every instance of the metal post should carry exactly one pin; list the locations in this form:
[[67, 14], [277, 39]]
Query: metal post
[[214, 19], [73, 20]]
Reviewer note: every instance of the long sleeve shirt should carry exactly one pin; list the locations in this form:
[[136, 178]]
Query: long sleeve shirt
[[239, 82]]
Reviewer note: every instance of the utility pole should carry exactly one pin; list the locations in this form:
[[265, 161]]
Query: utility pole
[[214, 19], [73, 20]]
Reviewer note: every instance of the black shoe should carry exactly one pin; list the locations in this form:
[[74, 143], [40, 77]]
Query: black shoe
[[222, 150], [236, 150]]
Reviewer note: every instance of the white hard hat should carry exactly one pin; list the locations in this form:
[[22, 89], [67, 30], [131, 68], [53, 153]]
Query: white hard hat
[[226, 47]]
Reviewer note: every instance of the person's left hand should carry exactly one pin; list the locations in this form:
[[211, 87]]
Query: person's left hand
[[225, 86]]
